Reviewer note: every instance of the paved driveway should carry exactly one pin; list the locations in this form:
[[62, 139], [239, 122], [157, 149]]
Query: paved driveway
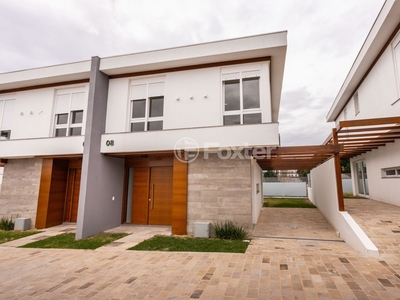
[[301, 223], [272, 268]]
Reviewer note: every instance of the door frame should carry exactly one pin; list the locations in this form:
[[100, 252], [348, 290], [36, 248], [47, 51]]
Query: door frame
[[179, 185]]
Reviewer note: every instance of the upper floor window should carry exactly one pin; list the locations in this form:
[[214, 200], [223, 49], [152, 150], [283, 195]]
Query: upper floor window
[[241, 94], [396, 53], [69, 113], [6, 117], [356, 104], [147, 107]]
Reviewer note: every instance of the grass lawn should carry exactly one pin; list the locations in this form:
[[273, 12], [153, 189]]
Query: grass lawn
[[67, 241], [173, 243], [288, 202], [10, 235]]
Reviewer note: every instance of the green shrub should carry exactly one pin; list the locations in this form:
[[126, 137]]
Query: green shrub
[[230, 231], [6, 224]]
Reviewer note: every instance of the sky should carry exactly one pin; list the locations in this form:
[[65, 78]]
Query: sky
[[324, 38]]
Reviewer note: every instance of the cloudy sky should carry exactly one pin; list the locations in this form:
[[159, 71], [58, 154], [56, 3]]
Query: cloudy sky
[[324, 37]]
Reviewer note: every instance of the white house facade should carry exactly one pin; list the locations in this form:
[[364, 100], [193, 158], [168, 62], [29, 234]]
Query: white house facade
[[157, 138], [371, 92]]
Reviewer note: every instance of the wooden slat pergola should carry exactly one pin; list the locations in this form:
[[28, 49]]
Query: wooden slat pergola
[[361, 136], [296, 157], [347, 140]]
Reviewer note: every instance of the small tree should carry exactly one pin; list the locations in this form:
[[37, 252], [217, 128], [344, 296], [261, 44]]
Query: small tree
[[270, 173]]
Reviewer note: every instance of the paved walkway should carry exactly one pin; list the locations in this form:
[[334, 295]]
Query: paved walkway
[[380, 221], [272, 268]]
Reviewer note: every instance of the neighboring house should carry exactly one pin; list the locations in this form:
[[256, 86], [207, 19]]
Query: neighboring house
[[367, 110], [137, 138]]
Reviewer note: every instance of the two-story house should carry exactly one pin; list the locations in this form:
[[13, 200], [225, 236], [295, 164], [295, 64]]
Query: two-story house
[[158, 138], [366, 110]]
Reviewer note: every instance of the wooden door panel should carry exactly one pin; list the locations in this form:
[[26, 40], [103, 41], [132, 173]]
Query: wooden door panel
[[140, 195], [75, 195], [72, 197], [160, 191]]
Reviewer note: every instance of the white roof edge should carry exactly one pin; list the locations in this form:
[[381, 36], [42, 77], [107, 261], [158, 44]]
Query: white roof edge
[[386, 21], [202, 44], [196, 53], [44, 75]]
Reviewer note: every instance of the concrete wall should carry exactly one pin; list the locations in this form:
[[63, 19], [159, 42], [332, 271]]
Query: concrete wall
[[219, 190], [380, 188], [324, 195], [20, 189], [100, 197]]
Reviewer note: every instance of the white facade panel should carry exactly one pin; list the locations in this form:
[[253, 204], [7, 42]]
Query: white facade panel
[[380, 188], [378, 92], [192, 98], [34, 110], [41, 147], [204, 138]]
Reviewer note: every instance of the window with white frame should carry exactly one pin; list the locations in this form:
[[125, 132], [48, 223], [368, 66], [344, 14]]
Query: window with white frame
[[6, 118], [241, 94], [69, 108], [396, 53], [391, 172], [147, 106], [356, 104]]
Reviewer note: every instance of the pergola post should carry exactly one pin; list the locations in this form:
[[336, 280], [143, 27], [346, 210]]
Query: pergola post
[[338, 172]]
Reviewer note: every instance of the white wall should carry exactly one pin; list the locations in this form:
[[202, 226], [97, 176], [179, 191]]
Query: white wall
[[257, 198], [378, 92], [33, 115], [38, 147], [382, 189], [324, 196], [200, 111], [206, 138]]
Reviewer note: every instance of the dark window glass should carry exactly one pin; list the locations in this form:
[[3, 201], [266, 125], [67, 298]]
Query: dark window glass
[[77, 117], [232, 95], [252, 119], [61, 132], [156, 107], [156, 125], [390, 172], [75, 131], [251, 93], [5, 135], [398, 171], [138, 108], [62, 119], [137, 127], [232, 120]]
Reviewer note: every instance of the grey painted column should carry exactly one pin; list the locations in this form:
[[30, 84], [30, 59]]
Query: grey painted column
[[100, 197]]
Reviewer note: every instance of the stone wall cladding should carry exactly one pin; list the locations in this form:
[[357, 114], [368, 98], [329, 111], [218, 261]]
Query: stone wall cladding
[[20, 189], [219, 190]]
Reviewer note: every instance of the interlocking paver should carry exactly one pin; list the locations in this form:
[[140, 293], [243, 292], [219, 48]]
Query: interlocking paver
[[272, 268]]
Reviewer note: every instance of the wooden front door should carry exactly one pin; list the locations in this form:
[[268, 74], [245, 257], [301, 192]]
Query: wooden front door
[[152, 195], [72, 195]]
